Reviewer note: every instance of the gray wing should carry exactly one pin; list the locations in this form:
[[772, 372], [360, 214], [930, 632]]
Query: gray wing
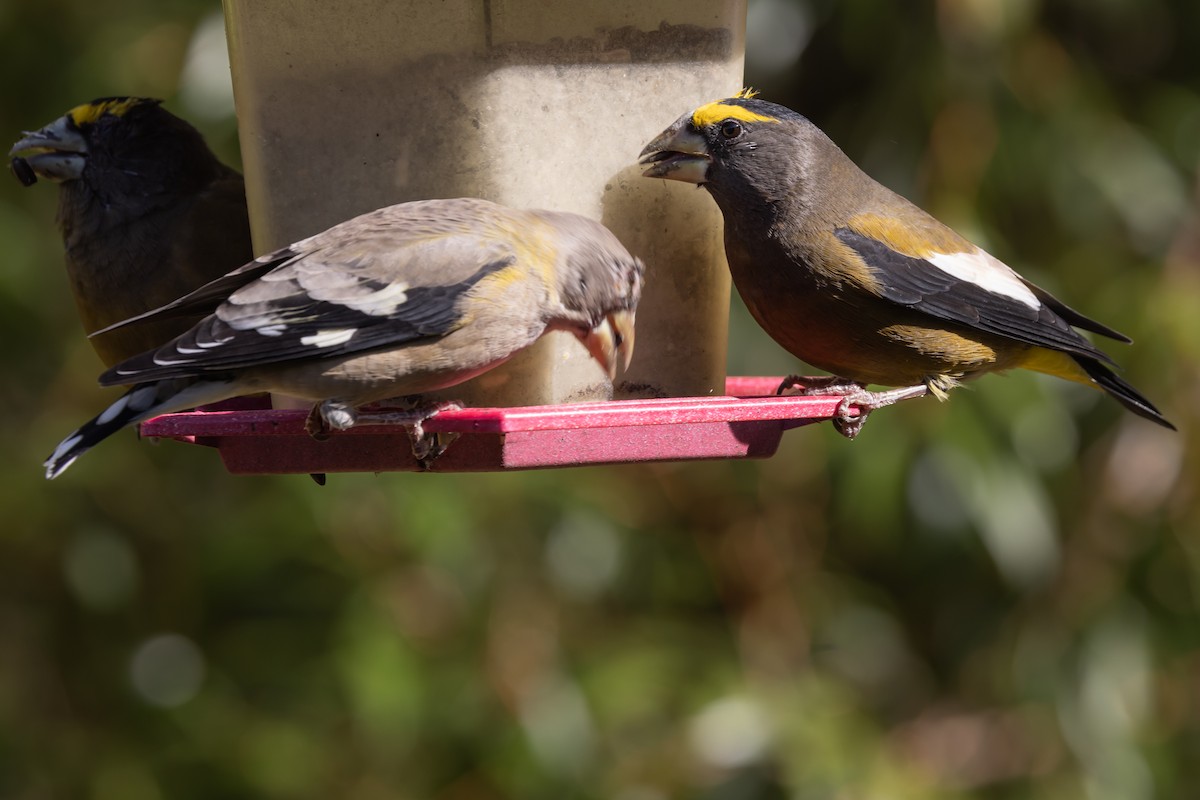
[[387, 278]]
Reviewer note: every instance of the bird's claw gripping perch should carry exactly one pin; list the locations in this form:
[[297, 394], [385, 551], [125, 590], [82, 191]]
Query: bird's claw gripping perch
[[857, 403], [426, 447], [865, 402]]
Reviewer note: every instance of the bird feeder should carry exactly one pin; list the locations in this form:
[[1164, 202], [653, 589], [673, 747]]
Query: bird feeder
[[347, 107]]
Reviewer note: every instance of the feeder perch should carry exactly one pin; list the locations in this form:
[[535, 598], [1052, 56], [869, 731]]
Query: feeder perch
[[747, 422]]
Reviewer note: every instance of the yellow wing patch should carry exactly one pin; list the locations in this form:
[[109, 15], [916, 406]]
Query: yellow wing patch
[[88, 113], [719, 110], [944, 345], [908, 237]]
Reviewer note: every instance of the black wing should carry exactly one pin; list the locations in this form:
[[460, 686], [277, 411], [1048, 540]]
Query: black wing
[[918, 284]]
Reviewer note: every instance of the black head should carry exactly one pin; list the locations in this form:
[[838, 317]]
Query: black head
[[118, 147], [736, 147]]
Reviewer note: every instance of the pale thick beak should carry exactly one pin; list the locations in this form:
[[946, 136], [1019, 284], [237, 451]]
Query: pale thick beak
[[679, 153], [57, 152], [612, 341]]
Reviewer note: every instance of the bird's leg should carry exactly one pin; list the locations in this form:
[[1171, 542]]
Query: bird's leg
[[335, 415], [329, 416], [854, 395], [817, 385], [426, 447], [866, 402]]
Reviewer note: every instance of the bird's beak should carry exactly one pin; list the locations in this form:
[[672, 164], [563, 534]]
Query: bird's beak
[[56, 152], [678, 154], [612, 340]]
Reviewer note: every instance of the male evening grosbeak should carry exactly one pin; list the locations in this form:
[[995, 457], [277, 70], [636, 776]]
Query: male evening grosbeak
[[853, 279], [408, 299], [147, 214]]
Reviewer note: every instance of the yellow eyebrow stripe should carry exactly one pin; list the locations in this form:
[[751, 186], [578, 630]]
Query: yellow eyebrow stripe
[[715, 112], [90, 112]]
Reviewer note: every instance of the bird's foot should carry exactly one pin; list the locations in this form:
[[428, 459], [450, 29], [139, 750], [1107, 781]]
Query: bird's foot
[[857, 403], [848, 424], [334, 415], [329, 416], [426, 447]]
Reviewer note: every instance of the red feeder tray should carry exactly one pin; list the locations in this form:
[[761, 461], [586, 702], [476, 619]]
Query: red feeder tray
[[747, 423]]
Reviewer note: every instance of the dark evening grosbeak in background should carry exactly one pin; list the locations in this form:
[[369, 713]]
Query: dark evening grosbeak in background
[[408, 299], [147, 214], [853, 279]]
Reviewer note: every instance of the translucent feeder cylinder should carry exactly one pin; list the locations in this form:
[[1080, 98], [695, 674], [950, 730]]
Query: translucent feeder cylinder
[[349, 106]]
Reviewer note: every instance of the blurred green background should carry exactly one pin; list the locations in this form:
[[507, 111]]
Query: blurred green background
[[996, 597]]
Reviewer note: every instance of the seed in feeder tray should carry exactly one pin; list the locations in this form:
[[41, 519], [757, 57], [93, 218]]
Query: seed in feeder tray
[[25, 174]]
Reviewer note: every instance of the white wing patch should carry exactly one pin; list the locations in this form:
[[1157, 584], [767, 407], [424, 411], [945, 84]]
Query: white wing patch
[[379, 303], [986, 272], [330, 338], [267, 323]]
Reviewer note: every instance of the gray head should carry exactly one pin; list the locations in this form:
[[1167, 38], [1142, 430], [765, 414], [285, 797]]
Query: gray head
[[599, 285]]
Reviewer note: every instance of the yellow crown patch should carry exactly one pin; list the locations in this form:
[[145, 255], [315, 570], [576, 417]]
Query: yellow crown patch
[[719, 110], [88, 113]]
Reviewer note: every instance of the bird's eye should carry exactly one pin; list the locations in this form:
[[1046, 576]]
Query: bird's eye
[[731, 129]]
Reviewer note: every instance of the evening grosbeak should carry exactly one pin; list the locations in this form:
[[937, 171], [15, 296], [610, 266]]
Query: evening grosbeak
[[147, 214], [408, 299], [853, 279]]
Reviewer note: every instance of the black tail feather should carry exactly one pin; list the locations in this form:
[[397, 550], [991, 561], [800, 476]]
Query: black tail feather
[[1074, 317], [141, 402], [1122, 392]]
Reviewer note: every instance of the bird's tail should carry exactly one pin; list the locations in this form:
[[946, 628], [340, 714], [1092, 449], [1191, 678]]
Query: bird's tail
[[1091, 372], [141, 402], [1122, 391]]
